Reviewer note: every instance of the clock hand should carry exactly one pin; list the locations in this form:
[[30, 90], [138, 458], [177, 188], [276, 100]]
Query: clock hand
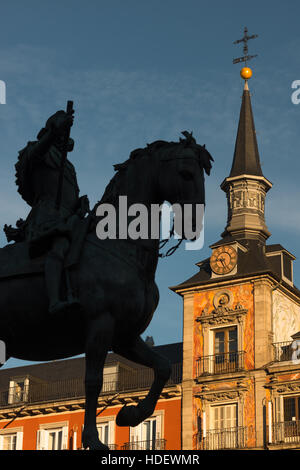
[[222, 261]]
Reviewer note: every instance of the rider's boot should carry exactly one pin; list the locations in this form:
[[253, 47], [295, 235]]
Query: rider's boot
[[53, 276]]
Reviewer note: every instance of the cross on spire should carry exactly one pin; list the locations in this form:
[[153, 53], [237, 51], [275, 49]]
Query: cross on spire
[[245, 58]]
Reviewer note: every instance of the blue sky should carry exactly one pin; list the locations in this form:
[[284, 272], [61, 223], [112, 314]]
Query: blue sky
[[140, 71]]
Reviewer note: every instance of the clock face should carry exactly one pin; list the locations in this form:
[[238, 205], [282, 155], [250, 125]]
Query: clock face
[[223, 259]]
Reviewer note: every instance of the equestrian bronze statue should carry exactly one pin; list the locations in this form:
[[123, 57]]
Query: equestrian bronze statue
[[64, 291]]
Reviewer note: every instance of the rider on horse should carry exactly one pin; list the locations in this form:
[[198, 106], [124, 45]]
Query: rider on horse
[[41, 176]]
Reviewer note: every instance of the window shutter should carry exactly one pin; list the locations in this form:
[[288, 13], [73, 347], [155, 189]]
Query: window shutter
[[159, 431], [11, 392], [41, 440], [75, 440], [111, 432], [135, 433], [232, 423], [279, 409], [38, 440], [19, 444], [65, 436], [81, 445]]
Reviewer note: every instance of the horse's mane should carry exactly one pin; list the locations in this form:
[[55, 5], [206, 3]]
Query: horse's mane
[[112, 189]]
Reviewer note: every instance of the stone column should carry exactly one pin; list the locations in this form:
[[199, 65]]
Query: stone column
[[187, 378], [260, 399], [262, 322]]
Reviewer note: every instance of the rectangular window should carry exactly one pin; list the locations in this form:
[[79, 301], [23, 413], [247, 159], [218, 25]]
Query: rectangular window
[[225, 416], [52, 438], [55, 439], [110, 379], [11, 441], [225, 349], [106, 431], [223, 433], [103, 432], [147, 435], [18, 391], [287, 267], [291, 410]]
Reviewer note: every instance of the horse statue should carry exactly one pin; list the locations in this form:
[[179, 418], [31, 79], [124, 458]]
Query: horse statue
[[114, 281]]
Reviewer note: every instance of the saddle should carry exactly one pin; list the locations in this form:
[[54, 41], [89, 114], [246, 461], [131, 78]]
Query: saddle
[[15, 260]]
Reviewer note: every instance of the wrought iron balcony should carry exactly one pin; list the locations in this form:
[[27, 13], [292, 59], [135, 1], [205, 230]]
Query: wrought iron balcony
[[124, 381], [227, 438], [154, 444], [283, 351], [286, 432], [220, 363]]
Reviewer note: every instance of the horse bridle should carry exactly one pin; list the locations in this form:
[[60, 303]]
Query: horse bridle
[[163, 242]]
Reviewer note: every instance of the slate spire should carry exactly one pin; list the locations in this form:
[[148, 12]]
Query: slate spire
[[246, 156], [246, 186]]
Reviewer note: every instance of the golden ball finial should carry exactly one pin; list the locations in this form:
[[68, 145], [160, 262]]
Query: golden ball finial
[[246, 73]]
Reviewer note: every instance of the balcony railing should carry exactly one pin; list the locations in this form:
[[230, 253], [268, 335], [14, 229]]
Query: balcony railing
[[123, 381], [227, 438], [283, 351], [286, 432], [220, 363], [154, 444]]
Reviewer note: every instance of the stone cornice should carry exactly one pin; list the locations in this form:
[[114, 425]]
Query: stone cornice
[[285, 290], [224, 377], [230, 179], [216, 283], [278, 368]]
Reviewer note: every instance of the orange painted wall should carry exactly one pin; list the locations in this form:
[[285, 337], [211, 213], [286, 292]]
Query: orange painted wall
[[172, 423], [30, 425], [242, 294]]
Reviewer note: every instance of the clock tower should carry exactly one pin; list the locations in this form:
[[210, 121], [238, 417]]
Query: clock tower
[[239, 305]]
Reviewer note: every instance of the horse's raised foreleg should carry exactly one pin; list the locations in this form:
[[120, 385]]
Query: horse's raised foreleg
[[99, 339], [141, 353]]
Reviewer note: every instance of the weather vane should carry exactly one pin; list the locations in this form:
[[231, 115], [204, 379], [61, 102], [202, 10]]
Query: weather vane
[[246, 72]]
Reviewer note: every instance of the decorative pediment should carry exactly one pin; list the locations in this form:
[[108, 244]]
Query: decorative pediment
[[208, 395], [221, 396], [286, 387], [222, 315]]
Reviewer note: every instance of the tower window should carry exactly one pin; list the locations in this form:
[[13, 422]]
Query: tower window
[[225, 349]]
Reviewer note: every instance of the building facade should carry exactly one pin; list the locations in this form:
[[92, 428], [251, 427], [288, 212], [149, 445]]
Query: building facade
[[42, 405]]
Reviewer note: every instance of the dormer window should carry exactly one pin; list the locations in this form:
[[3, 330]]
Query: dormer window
[[18, 390], [281, 261]]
